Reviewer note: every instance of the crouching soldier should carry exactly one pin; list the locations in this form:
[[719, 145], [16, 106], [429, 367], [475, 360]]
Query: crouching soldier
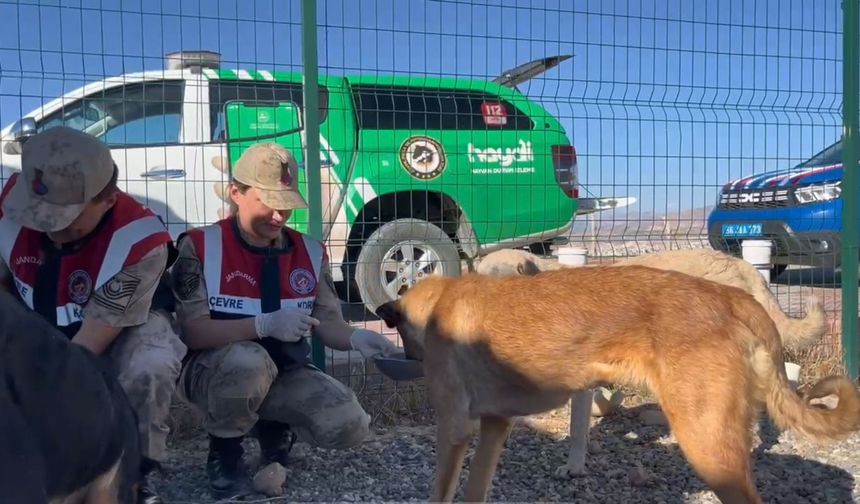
[[248, 293], [89, 258]]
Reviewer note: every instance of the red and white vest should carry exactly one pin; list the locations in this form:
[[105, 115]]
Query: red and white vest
[[129, 233], [233, 271], [243, 281]]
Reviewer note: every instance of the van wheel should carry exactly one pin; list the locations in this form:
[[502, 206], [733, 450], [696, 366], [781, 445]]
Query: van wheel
[[399, 254]]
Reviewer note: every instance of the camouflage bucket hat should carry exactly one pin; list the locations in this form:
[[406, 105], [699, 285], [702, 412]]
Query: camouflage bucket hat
[[273, 172], [62, 169]]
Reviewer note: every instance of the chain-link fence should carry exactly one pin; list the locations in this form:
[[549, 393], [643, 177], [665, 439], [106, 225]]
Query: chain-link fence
[[451, 129]]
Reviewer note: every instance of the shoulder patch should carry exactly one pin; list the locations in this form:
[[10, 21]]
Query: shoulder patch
[[186, 277], [118, 292]]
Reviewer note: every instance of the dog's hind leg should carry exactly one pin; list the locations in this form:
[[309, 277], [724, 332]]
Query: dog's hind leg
[[580, 422], [715, 438], [494, 432], [730, 474]]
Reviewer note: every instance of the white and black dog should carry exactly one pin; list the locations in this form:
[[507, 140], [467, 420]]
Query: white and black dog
[[67, 431]]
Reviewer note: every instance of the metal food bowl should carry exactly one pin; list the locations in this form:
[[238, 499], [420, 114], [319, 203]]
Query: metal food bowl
[[398, 367]]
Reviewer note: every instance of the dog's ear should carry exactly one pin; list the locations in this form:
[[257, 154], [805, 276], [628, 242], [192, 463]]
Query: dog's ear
[[527, 268], [390, 313]]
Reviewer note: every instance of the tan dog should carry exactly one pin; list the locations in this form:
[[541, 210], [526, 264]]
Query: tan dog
[[709, 352], [797, 334]]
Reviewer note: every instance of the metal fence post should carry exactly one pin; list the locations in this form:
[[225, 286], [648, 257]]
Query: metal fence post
[[850, 77], [312, 138]]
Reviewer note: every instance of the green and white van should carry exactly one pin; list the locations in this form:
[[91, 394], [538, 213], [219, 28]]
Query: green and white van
[[417, 172]]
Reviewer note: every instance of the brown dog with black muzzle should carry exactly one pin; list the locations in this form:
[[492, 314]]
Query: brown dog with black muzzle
[[495, 348]]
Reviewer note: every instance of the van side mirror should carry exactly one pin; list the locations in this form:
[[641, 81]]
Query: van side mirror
[[23, 129]]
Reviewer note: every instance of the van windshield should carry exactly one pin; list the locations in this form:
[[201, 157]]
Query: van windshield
[[830, 156]]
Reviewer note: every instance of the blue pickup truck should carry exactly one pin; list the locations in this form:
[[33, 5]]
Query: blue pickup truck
[[799, 209]]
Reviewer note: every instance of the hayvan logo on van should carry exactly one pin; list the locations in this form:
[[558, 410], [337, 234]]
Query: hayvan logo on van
[[505, 156]]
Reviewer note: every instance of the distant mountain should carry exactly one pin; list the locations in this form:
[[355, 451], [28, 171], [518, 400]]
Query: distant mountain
[[626, 232]]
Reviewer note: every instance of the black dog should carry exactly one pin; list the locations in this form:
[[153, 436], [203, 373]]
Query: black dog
[[67, 430]]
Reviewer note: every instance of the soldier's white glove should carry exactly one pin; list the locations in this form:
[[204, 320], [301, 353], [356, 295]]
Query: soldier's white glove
[[370, 343], [288, 324]]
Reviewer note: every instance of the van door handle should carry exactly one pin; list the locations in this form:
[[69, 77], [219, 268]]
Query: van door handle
[[163, 173]]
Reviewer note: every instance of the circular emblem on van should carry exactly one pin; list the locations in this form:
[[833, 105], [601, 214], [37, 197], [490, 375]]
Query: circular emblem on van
[[80, 287], [302, 281], [423, 157]]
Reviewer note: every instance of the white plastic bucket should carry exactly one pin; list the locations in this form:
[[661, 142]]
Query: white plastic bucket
[[792, 370], [757, 253], [572, 256]]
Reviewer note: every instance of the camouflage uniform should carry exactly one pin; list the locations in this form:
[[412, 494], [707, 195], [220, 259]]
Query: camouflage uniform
[[147, 355], [238, 384]]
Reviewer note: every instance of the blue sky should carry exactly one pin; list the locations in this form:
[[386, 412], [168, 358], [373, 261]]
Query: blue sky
[[665, 100]]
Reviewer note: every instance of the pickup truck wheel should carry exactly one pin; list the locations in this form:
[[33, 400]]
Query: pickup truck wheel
[[398, 255]]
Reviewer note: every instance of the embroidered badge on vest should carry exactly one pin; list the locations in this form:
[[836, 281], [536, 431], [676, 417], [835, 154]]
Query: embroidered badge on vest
[[80, 286], [302, 281]]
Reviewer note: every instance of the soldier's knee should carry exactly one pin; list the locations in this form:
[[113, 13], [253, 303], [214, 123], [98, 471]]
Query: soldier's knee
[[246, 371], [349, 431], [155, 344], [152, 384]]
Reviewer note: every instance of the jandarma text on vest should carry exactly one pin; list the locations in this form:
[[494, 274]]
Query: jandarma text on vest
[[241, 274]]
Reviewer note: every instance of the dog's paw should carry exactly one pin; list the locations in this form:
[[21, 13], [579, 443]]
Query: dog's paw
[[570, 471]]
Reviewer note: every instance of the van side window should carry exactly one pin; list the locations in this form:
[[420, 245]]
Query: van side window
[[139, 114], [392, 107], [222, 92]]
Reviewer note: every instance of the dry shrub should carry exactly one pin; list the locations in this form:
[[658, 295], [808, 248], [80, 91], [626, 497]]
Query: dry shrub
[[824, 359]]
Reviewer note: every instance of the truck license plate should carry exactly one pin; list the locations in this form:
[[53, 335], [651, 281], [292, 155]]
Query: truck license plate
[[738, 230]]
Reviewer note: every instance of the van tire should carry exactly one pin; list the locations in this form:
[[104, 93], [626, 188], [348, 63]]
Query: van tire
[[391, 240]]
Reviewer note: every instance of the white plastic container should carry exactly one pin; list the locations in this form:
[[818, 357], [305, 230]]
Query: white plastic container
[[792, 370], [572, 256], [758, 253]]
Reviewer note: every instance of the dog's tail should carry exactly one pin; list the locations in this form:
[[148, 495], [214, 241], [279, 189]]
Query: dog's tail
[[797, 333], [801, 333], [788, 409]]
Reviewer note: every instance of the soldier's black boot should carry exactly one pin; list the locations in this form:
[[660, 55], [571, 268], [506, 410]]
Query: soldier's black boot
[[276, 440], [223, 465]]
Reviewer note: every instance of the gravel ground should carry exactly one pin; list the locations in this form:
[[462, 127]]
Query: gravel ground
[[631, 462]]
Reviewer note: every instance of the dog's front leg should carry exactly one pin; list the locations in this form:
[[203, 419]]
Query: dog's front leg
[[580, 422], [452, 439], [494, 432]]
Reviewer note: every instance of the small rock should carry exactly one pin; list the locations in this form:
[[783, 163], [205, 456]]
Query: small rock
[[631, 436], [270, 480], [639, 476], [653, 417], [594, 447]]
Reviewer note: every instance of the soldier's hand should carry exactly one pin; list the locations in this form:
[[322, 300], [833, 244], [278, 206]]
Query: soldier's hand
[[287, 324], [370, 343]]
